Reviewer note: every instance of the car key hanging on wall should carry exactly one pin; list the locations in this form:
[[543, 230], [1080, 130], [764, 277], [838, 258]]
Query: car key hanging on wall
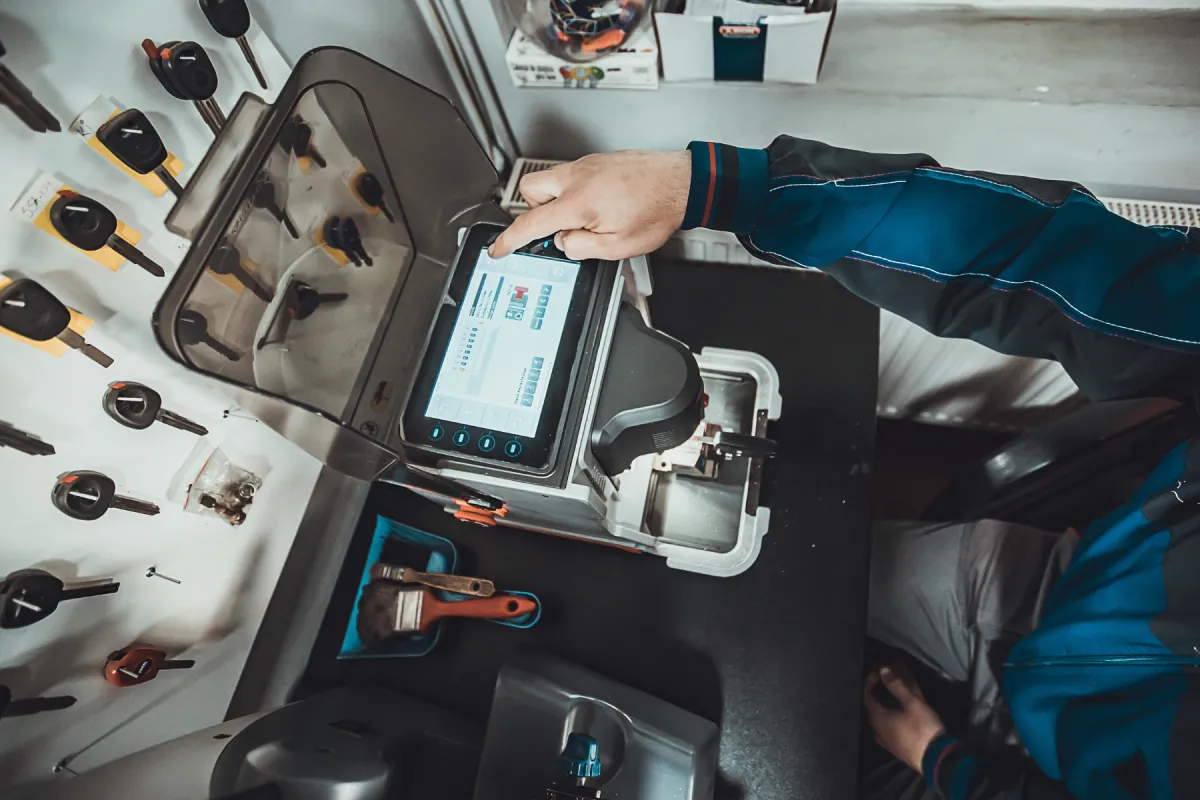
[[21, 101], [89, 225], [132, 139], [87, 496], [28, 596], [231, 19], [27, 443], [137, 406], [137, 665], [186, 72], [29, 309], [31, 705]]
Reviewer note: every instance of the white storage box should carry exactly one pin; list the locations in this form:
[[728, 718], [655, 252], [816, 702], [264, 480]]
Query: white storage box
[[633, 66], [730, 40]]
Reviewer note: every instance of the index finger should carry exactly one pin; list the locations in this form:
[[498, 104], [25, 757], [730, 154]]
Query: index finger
[[537, 223], [869, 699]]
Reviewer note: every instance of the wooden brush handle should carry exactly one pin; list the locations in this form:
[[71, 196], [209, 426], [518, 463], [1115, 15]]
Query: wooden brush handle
[[461, 584], [501, 607], [476, 587]]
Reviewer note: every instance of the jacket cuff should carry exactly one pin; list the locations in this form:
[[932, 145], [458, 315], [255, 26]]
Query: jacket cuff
[[935, 757], [729, 187]]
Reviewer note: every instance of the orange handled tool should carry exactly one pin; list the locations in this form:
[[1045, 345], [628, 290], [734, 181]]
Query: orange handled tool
[[387, 609]]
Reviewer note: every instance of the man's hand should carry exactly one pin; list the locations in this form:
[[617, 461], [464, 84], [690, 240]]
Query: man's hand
[[907, 731], [609, 206]]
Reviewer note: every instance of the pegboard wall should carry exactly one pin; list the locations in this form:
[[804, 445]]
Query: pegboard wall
[[69, 58]]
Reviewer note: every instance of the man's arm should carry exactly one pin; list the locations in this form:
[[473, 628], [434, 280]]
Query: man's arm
[[912, 731], [1024, 266]]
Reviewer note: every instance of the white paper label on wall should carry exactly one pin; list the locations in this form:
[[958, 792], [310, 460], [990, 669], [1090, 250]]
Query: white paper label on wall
[[92, 117], [40, 192]]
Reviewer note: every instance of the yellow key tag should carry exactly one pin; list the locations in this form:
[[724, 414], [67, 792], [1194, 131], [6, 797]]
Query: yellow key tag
[[55, 347]]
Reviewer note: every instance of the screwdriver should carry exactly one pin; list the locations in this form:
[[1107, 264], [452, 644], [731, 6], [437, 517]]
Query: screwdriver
[[132, 139], [87, 495], [231, 19], [371, 191], [227, 260], [136, 665], [27, 443], [30, 595], [17, 97], [89, 225], [192, 327], [137, 406], [29, 309], [263, 196]]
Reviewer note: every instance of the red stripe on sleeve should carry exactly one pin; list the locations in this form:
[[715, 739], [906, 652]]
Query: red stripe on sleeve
[[712, 184]]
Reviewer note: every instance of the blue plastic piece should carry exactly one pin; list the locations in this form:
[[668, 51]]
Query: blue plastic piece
[[581, 757]]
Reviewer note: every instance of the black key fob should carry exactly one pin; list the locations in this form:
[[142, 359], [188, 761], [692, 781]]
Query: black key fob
[[132, 139], [28, 596], [82, 221], [134, 405], [84, 495], [188, 66], [153, 55], [230, 18], [333, 233], [29, 309]]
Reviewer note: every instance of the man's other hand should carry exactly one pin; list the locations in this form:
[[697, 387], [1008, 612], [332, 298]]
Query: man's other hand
[[907, 731], [608, 206]]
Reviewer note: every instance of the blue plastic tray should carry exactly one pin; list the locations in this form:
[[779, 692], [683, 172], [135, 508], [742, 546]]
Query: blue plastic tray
[[443, 557]]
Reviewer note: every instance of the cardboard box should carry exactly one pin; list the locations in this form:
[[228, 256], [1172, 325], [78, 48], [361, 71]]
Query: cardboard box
[[633, 66], [730, 40]]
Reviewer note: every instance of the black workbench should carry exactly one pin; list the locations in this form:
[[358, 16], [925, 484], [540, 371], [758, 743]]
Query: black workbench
[[773, 655]]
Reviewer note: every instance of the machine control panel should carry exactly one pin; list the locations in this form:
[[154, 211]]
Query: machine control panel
[[496, 374]]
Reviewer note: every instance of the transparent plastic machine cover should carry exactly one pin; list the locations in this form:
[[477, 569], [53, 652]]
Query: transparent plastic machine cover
[[265, 298]]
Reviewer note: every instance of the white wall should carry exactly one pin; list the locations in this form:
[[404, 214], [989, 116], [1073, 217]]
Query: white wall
[[68, 57], [1106, 98], [389, 31]]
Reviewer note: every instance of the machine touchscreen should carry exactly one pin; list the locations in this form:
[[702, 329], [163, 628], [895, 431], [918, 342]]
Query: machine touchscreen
[[495, 376]]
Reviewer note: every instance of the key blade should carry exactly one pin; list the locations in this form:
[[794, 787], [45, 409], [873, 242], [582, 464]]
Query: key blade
[[136, 506], [206, 115], [168, 179], [132, 254], [249, 54], [215, 110], [43, 120], [182, 423], [76, 342], [96, 588]]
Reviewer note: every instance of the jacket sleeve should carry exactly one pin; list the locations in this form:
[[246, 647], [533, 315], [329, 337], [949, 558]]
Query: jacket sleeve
[[1027, 267], [956, 774]]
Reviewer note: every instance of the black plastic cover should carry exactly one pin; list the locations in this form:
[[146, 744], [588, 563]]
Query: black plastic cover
[[82, 221], [29, 309], [653, 395], [130, 137]]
